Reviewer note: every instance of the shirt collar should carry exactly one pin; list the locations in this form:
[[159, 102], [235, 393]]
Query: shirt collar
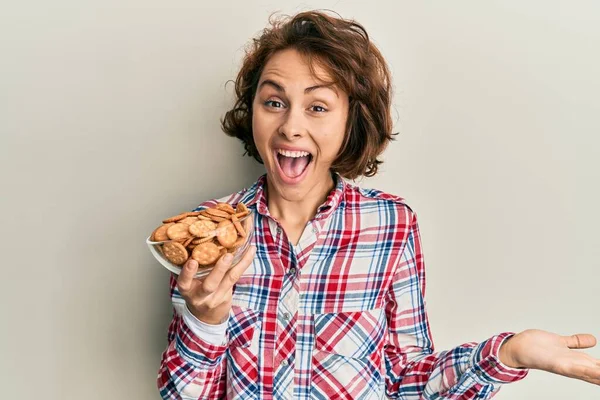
[[334, 199]]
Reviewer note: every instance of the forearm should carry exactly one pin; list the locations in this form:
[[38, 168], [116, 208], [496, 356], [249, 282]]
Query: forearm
[[472, 370], [507, 354]]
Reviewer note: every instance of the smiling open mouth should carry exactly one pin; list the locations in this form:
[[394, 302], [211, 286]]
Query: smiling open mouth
[[293, 164]]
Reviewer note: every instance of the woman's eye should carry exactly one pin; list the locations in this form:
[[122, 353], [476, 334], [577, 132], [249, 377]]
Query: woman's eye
[[273, 103], [278, 104]]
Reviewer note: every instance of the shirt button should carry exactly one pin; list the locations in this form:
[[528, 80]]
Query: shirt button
[[284, 362], [314, 229], [492, 363], [479, 372], [286, 316], [278, 229], [292, 271]]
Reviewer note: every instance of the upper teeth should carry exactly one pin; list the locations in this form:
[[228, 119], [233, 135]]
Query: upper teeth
[[293, 153]]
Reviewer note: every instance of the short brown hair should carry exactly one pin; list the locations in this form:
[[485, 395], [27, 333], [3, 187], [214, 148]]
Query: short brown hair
[[343, 48]]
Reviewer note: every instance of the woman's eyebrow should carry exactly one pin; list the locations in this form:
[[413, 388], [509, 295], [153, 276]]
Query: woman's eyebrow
[[281, 89]]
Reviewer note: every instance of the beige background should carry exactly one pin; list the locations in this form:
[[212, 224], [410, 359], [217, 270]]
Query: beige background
[[109, 121]]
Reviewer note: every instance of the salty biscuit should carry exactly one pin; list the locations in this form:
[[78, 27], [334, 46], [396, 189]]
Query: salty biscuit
[[152, 239], [206, 253], [202, 228], [242, 214], [214, 218], [217, 213], [238, 226], [175, 252], [178, 231], [160, 234], [226, 233], [203, 240], [188, 220], [241, 207], [204, 214], [225, 207], [181, 216]]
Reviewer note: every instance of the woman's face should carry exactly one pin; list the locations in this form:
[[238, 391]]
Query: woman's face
[[298, 125]]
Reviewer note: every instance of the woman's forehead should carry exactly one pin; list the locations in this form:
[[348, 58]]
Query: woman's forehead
[[292, 67]]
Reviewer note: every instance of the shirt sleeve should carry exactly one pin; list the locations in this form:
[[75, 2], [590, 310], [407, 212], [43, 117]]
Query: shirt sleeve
[[191, 366], [413, 369], [213, 334]]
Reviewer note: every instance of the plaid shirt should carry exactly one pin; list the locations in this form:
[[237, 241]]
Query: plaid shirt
[[340, 315]]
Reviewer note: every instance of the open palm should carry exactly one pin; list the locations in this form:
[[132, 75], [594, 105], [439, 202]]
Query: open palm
[[538, 349]]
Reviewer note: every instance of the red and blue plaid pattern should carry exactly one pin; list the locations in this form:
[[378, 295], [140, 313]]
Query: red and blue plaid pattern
[[340, 315]]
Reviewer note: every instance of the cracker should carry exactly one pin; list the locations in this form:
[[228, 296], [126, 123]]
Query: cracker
[[203, 240], [152, 239], [238, 226], [206, 253], [181, 216], [178, 231], [225, 207], [205, 215], [188, 220], [202, 228], [175, 252], [217, 213], [160, 234], [214, 218], [226, 234], [241, 207]]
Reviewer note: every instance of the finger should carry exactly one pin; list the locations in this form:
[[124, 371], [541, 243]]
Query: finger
[[214, 278], [580, 341], [234, 274], [186, 276]]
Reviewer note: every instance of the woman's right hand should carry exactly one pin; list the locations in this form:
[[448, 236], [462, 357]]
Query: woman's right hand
[[209, 299]]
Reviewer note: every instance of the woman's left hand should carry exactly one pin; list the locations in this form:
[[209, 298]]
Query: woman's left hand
[[546, 351]]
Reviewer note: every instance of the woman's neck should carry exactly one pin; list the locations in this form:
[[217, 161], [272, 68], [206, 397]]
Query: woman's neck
[[298, 212]]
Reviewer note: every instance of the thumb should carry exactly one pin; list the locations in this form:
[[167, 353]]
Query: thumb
[[186, 276], [580, 341]]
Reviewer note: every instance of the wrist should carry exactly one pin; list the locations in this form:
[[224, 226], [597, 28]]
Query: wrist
[[508, 355], [207, 317]]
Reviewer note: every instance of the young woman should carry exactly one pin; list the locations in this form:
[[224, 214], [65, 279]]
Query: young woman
[[329, 302]]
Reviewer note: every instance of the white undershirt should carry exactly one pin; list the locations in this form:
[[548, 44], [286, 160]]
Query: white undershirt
[[213, 334]]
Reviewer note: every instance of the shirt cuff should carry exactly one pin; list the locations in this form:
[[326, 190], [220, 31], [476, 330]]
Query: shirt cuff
[[486, 363], [213, 334]]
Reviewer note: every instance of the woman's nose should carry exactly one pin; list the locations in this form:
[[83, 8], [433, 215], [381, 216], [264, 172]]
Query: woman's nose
[[293, 124]]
